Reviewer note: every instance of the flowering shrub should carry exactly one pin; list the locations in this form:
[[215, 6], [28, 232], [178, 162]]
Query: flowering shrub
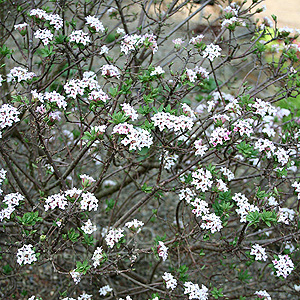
[[142, 161]]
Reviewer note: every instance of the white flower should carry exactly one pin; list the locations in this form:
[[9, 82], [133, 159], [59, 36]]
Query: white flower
[[19, 74], [263, 295], [129, 111], [202, 179], [211, 222], [120, 30], [85, 296], [88, 227], [110, 71], [259, 252], [200, 207], [79, 37], [57, 200], [45, 35], [194, 291], [226, 172], [54, 97], [8, 115], [95, 23], [135, 225], [20, 27], [178, 42], [212, 51], [285, 215], [171, 282], [283, 265], [162, 250], [104, 50], [76, 276], [157, 71], [89, 202], [26, 255], [113, 236], [169, 159], [98, 257], [105, 290]]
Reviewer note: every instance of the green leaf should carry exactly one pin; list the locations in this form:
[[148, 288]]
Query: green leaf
[[253, 218]]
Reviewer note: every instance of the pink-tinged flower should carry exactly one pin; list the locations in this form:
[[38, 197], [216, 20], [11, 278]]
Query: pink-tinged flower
[[86, 180], [263, 295], [26, 255], [259, 252], [170, 281], [45, 35], [178, 42], [95, 23], [110, 71], [219, 136], [79, 37], [162, 250], [283, 265]]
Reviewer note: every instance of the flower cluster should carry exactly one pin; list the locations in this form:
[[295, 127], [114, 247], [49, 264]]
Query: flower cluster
[[200, 148], [98, 96], [19, 74], [88, 202], [165, 120], [219, 136], [259, 252], [212, 51], [94, 23], [197, 40], [196, 73], [88, 227], [98, 257], [113, 236], [2, 178], [157, 71], [53, 19], [20, 27], [187, 194], [169, 160], [243, 127], [131, 42], [263, 295], [171, 282], [54, 97], [194, 291], [211, 222], [8, 115], [76, 87], [129, 111], [226, 172], [200, 207], [283, 265], [202, 180], [105, 290], [76, 276], [162, 250], [86, 180], [137, 138], [26, 255], [11, 200], [110, 71], [285, 215], [45, 35], [57, 200], [244, 207], [135, 225], [79, 37]]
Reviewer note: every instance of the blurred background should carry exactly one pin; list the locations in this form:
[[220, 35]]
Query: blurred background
[[287, 11]]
